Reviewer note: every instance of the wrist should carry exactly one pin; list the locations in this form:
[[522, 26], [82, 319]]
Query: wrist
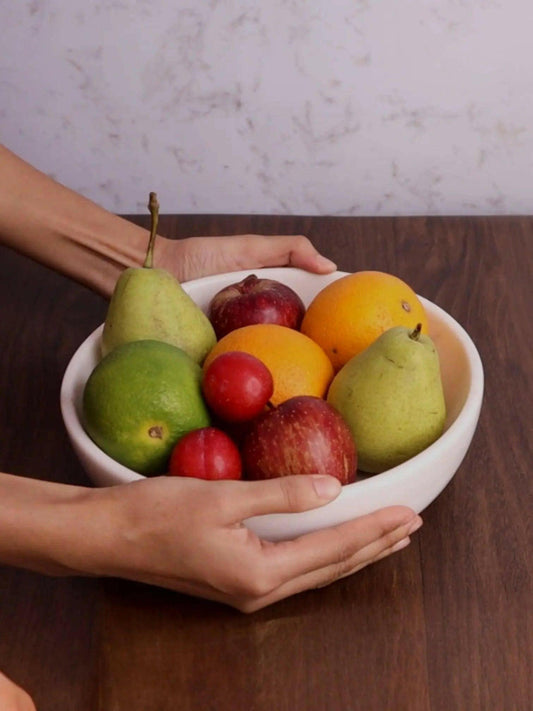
[[60, 228], [51, 528], [97, 254]]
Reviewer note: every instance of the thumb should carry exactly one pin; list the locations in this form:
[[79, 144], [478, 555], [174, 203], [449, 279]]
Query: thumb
[[287, 494], [294, 251]]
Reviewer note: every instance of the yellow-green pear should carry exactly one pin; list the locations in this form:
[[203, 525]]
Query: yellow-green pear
[[150, 304], [392, 398]]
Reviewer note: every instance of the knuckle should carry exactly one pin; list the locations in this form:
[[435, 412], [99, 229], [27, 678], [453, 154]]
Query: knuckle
[[260, 585], [247, 607], [342, 568], [345, 548], [390, 538], [300, 244], [252, 583], [338, 571], [302, 240], [294, 491], [344, 560], [214, 498]]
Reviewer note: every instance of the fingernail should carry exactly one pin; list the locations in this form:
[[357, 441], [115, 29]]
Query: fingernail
[[415, 525], [326, 263], [401, 544], [326, 487]]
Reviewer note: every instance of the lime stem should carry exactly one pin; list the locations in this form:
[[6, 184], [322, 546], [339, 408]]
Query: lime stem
[[153, 206]]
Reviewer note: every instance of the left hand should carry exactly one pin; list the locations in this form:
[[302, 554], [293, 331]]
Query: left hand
[[188, 535], [201, 256]]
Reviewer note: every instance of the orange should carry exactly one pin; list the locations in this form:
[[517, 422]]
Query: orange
[[298, 365], [346, 316]]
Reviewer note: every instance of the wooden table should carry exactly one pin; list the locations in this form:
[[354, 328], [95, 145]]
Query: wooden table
[[445, 625]]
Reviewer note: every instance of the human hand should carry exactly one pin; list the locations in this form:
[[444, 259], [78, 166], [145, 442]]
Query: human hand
[[12, 697], [62, 229], [188, 535], [201, 256]]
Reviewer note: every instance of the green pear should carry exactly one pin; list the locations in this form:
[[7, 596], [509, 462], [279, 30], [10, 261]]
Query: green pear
[[392, 398], [150, 304]]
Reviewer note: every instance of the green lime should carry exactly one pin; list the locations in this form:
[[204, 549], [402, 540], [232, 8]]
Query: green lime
[[140, 399]]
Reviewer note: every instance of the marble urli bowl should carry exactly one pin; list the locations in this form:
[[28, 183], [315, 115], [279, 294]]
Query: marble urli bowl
[[415, 483]]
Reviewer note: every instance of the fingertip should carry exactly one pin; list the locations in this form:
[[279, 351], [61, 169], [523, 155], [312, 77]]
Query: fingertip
[[326, 487], [398, 514], [415, 524], [324, 265], [290, 494], [400, 545]]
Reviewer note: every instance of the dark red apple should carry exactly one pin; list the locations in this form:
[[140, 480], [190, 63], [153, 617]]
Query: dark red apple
[[303, 435], [237, 386], [206, 453], [255, 300]]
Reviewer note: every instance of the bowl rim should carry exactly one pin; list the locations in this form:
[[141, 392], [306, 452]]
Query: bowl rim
[[469, 411]]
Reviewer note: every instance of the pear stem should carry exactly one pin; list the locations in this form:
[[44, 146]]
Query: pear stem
[[153, 206], [416, 332]]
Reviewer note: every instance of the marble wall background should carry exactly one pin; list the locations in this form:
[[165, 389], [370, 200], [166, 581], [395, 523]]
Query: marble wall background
[[344, 107]]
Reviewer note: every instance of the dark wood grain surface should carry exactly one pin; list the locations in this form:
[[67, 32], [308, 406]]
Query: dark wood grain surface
[[444, 625]]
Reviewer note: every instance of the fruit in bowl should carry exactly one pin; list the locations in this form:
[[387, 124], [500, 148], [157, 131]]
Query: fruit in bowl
[[298, 365], [206, 453], [415, 483], [237, 386], [303, 435], [254, 300], [150, 303], [347, 315], [391, 396], [140, 399]]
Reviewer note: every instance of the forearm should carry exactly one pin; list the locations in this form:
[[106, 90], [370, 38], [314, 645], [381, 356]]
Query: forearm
[[71, 234], [63, 230], [52, 528]]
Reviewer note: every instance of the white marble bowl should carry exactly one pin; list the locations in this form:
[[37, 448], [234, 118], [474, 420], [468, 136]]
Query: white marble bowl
[[415, 483]]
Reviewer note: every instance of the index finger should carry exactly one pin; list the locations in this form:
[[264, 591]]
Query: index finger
[[319, 558]]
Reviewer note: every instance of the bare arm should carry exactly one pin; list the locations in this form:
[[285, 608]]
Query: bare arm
[[63, 230], [59, 529], [71, 234], [152, 530]]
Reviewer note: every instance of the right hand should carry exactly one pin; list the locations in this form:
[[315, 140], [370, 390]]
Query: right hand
[[12, 697], [188, 535], [201, 256]]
